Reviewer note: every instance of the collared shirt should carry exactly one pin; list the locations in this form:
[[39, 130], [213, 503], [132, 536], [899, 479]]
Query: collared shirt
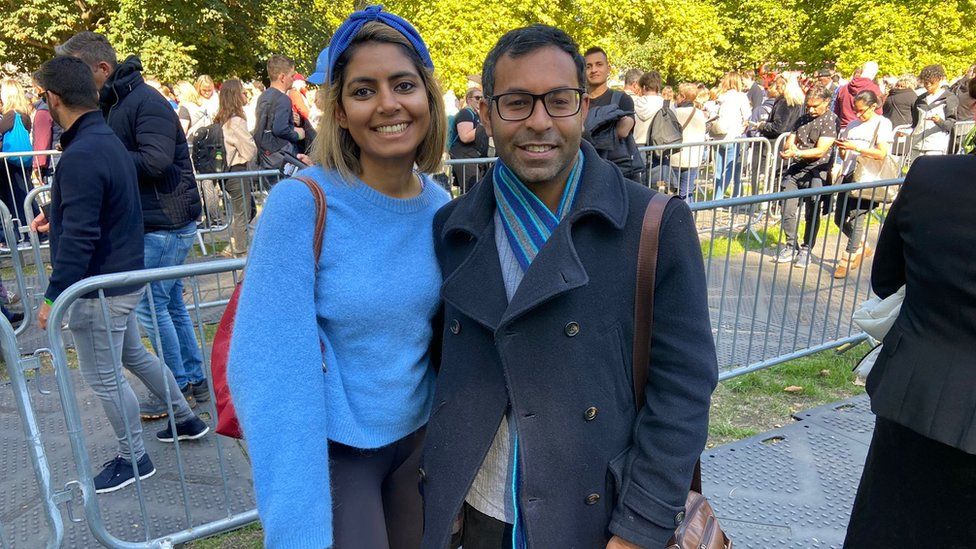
[[491, 491]]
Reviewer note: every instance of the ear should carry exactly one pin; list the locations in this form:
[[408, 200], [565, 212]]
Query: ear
[[484, 111], [340, 116]]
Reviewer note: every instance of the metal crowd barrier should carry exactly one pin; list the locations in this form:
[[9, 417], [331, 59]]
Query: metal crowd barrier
[[196, 462], [698, 170], [230, 200], [16, 367], [765, 313], [28, 293], [463, 173]]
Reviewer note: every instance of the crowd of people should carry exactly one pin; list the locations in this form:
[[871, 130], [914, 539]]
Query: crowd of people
[[506, 391]]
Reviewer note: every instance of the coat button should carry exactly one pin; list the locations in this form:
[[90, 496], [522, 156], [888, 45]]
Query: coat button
[[423, 474], [679, 518], [455, 327], [592, 499], [572, 329], [590, 413]]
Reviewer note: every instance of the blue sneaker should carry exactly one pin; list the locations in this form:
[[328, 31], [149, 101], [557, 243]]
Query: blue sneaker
[[190, 429], [118, 474]]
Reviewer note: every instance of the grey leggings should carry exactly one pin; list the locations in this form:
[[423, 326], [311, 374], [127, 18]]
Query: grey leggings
[[376, 502], [101, 362]]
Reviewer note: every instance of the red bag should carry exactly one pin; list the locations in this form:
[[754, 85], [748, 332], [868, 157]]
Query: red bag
[[227, 423]]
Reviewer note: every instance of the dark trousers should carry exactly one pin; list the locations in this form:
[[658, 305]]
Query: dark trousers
[[376, 502], [480, 531], [14, 180], [914, 492], [797, 178]]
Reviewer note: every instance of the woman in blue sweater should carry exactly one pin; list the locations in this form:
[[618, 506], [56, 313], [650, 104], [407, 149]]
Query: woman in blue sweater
[[330, 367]]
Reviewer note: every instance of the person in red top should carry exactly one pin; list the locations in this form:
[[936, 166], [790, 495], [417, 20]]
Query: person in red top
[[45, 135], [299, 103], [844, 102]]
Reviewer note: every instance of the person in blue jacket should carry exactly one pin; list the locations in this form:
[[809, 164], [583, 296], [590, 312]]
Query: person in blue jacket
[[330, 364]]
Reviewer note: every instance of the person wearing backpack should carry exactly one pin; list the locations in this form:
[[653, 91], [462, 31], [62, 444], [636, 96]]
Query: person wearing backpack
[[239, 151], [15, 126]]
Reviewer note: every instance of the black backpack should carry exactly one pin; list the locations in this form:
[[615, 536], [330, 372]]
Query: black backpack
[[209, 155], [665, 130]]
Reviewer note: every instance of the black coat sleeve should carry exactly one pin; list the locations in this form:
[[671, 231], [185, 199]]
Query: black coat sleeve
[[156, 127], [81, 206], [671, 429], [888, 269]]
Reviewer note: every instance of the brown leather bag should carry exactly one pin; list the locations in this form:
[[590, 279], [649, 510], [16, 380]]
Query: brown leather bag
[[699, 529]]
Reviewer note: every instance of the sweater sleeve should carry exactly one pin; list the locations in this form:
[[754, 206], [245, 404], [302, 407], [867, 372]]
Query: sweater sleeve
[[276, 378], [81, 207]]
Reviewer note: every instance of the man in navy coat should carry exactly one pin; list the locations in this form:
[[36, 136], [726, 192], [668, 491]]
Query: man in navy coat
[[533, 435]]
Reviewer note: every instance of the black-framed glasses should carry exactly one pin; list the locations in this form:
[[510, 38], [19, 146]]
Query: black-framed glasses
[[559, 103]]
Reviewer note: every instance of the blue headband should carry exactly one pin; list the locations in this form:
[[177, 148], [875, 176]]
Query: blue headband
[[349, 28]]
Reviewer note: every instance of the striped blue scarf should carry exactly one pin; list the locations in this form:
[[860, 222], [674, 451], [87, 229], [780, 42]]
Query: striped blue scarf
[[528, 225], [528, 222]]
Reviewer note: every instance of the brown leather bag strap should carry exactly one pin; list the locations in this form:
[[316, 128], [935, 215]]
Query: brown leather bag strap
[[644, 304], [320, 212], [644, 298]]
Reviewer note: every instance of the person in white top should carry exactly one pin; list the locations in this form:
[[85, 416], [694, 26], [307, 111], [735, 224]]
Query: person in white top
[[646, 104], [733, 117], [693, 120], [865, 143]]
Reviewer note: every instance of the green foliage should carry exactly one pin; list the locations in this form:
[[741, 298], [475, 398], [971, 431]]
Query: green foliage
[[683, 39]]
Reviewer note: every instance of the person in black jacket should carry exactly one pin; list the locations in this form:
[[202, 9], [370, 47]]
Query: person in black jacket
[[150, 130], [275, 130], [918, 488], [95, 224], [900, 102]]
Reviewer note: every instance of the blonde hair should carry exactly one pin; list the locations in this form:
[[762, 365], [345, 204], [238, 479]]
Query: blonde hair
[[13, 98], [793, 92], [687, 92], [203, 80], [334, 146], [186, 93], [731, 81]]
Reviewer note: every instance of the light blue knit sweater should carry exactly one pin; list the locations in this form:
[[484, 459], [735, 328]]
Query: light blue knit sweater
[[371, 304]]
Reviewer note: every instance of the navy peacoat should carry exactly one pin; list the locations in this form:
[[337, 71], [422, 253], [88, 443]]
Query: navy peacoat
[[560, 355]]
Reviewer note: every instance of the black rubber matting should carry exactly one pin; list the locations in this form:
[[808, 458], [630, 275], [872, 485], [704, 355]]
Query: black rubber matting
[[21, 517], [792, 487]]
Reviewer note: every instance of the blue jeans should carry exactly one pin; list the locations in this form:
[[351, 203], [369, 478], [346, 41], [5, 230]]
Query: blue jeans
[[181, 353], [728, 166], [686, 183]]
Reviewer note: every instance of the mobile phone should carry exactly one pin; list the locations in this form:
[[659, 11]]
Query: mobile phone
[[46, 210]]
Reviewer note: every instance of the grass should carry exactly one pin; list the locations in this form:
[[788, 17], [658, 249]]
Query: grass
[[754, 403], [741, 407], [769, 237]]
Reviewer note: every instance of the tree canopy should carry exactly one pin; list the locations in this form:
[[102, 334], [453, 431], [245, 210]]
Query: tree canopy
[[683, 39]]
